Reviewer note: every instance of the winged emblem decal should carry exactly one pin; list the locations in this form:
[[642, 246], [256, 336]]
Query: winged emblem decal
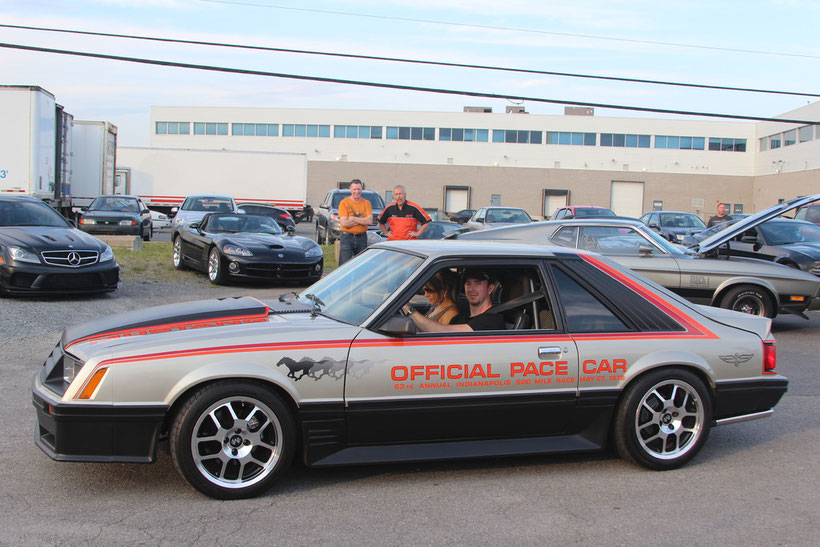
[[736, 358]]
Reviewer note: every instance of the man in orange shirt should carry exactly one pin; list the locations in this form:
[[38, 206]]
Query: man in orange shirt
[[355, 215], [403, 219]]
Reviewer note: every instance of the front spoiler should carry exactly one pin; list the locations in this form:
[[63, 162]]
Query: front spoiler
[[96, 433]]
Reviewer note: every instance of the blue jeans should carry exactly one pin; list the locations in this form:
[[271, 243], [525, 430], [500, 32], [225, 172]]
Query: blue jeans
[[351, 245]]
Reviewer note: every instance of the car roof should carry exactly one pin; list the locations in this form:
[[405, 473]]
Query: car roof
[[434, 249], [20, 198], [218, 196], [118, 196]]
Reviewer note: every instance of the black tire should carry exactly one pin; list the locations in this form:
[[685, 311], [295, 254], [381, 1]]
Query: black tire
[[676, 427], [178, 260], [227, 458], [319, 238], [216, 268], [749, 299], [147, 236]]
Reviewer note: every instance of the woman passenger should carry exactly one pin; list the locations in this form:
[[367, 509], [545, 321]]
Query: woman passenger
[[440, 290]]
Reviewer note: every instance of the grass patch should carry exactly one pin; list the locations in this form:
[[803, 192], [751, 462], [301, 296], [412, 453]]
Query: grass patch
[[155, 263]]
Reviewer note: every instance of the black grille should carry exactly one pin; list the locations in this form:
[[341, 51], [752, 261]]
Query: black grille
[[70, 258], [23, 280], [282, 271], [79, 281]]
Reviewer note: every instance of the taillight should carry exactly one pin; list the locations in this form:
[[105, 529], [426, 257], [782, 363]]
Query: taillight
[[285, 215], [769, 357]]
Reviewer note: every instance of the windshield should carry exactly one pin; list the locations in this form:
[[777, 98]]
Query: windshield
[[512, 216], [376, 201], [230, 223], [117, 204], [593, 212], [29, 213], [679, 220], [783, 233], [352, 292], [207, 203]]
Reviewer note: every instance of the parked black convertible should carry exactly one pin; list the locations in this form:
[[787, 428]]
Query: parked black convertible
[[246, 246], [41, 253]]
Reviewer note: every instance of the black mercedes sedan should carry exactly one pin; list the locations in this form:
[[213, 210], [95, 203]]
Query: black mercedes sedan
[[232, 245], [117, 215], [41, 253]]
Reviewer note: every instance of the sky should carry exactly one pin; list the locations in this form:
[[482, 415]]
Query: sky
[[761, 44]]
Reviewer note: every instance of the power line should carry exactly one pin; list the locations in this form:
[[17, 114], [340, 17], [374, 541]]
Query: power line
[[513, 29], [412, 61], [398, 86]]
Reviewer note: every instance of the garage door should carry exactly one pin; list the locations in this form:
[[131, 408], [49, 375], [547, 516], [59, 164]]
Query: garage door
[[456, 199], [626, 198], [554, 201]]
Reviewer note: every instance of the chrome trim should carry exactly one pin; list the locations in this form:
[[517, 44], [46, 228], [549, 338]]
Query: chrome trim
[[744, 418]]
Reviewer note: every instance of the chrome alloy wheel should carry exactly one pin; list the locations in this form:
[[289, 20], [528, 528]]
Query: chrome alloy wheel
[[236, 442], [177, 252], [214, 265], [669, 419]]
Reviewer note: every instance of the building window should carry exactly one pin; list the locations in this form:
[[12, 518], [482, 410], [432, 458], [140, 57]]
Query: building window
[[728, 145], [774, 141], [303, 130], [789, 137], [357, 132], [173, 128], [805, 133], [622, 140], [412, 133], [680, 143], [255, 129], [463, 135], [516, 136], [575, 139]]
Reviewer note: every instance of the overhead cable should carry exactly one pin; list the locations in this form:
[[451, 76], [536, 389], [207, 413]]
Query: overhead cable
[[412, 61], [230, 70]]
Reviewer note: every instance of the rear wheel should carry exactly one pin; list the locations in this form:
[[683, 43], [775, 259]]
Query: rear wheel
[[663, 419], [319, 239], [179, 263], [233, 439], [146, 235], [216, 272], [749, 299]]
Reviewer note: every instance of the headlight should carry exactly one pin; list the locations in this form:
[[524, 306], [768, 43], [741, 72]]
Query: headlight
[[815, 268], [679, 237], [107, 254], [236, 250], [313, 251], [22, 255], [128, 223], [70, 369], [87, 221]]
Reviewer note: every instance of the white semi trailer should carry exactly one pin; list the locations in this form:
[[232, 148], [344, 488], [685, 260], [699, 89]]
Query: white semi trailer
[[94, 162], [35, 146], [163, 177]]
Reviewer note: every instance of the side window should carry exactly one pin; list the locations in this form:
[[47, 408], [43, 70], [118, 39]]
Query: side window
[[567, 236], [611, 240], [559, 214], [801, 214], [584, 312], [480, 215]]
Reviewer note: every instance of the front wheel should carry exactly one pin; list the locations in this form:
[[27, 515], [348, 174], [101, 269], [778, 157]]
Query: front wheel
[[749, 299], [146, 235], [233, 439], [179, 264], [663, 419], [216, 272]]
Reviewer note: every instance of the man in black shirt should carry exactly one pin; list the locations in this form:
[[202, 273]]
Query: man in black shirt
[[721, 216], [478, 286]]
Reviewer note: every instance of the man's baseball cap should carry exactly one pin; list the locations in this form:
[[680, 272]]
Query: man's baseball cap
[[477, 273]]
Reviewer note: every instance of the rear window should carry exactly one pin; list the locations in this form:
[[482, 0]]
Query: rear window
[[376, 201]]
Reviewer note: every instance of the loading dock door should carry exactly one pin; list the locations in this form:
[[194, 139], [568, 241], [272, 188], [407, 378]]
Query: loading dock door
[[554, 199], [626, 198], [456, 199]]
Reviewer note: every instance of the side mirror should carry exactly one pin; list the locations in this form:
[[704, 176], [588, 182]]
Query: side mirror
[[173, 212], [194, 226], [399, 325], [481, 220], [145, 212], [324, 206], [654, 226], [290, 230], [749, 239], [644, 249]]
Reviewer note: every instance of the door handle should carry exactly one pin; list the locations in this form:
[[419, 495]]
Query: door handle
[[547, 351]]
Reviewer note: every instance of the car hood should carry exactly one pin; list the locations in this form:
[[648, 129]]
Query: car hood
[[43, 238], [749, 222], [253, 240], [810, 249], [109, 214], [191, 326]]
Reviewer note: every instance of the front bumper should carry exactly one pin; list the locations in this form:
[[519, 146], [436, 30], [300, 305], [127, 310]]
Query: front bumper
[[745, 397], [93, 432], [111, 229], [265, 269], [22, 279]]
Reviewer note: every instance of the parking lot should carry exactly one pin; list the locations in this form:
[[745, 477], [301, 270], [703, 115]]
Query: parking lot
[[754, 482]]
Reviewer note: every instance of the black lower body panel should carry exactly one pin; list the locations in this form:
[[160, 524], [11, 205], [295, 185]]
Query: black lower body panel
[[81, 433], [748, 396]]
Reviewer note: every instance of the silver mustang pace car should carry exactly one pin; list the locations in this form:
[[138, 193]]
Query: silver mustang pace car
[[553, 350]]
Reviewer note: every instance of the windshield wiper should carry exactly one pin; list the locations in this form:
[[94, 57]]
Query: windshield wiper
[[315, 309]]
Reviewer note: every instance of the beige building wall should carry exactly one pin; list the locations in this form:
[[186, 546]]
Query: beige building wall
[[768, 189], [524, 187]]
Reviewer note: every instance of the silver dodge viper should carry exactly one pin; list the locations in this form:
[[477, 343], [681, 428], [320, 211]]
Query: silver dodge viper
[[585, 352]]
